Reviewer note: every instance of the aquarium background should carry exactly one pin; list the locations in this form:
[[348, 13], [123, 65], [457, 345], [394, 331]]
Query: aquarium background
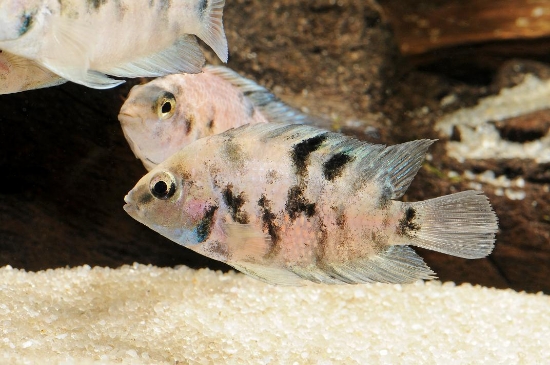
[[383, 72]]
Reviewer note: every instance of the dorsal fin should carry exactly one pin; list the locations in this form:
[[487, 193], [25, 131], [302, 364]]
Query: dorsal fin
[[271, 107], [394, 165], [212, 32]]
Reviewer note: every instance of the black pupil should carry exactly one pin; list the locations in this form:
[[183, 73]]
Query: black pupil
[[166, 107], [160, 188]]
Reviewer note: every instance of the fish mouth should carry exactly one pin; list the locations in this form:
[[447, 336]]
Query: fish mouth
[[128, 119], [130, 207]]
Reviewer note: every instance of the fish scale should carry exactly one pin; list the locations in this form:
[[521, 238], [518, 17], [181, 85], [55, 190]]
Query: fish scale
[[329, 216]]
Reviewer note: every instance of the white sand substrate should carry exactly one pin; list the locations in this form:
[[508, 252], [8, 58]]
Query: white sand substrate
[[147, 315]]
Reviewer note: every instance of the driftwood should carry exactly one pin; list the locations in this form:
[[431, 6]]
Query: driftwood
[[424, 26]]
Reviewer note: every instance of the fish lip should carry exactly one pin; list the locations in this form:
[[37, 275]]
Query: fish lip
[[126, 118], [130, 207]]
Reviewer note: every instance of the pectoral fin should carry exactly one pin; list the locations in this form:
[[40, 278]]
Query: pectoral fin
[[246, 242], [183, 56]]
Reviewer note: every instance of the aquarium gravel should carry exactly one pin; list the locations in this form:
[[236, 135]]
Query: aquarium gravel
[[147, 315]]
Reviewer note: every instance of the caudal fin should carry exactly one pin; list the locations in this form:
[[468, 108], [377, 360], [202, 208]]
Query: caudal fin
[[212, 32], [462, 224]]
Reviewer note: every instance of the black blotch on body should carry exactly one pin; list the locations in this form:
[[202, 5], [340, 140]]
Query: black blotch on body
[[204, 228], [164, 5], [301, 151], [268, 221], [234, 153], [218, 250], [385, 197], [333, 167], [234, 204], [145, 199], [96, 4], [296, 203], [201, 7], [406, 226], [379, 241], [189, 123], [210, 125], [341, 220]]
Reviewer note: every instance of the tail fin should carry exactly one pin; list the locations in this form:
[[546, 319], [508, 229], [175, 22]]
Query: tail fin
[[212, 32], [462, 224]]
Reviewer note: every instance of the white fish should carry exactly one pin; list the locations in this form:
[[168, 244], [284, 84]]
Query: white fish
[[168, 113], [82, 40], [20, 74], [288, 204]]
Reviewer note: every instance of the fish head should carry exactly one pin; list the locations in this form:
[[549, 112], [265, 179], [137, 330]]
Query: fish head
[[17, 18], [157, 120], [172, 201]]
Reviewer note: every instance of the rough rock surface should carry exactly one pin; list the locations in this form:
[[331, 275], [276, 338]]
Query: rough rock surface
[[66, 166]]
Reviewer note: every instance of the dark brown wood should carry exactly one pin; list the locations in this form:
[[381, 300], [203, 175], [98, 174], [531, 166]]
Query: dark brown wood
[[422, 26]]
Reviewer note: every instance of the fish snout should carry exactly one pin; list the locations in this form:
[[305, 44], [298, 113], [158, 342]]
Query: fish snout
[[126, 117], [130, 207]]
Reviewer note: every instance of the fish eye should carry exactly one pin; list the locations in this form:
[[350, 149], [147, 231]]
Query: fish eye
[[166, 105], [163, 185]]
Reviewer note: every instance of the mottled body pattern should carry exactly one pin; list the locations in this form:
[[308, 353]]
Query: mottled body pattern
[[168, 113], [82, 40], [20, 74], [327, 215]]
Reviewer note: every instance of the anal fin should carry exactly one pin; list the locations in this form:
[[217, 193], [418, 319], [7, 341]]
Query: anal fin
[[395, 265], [270, 275]]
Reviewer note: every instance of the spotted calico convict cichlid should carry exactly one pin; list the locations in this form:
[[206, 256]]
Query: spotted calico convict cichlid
[[288, 204], [82, 40], [20, 74], [168, 113]]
